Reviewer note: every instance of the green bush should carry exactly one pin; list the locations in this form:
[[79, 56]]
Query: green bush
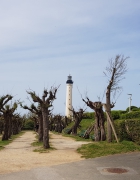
[[120, 130], [136, 109], [131, 115], [115, 115], [122, 112], [88, 115], [133, 130], [133, 108], [28, 125], [128, 130]]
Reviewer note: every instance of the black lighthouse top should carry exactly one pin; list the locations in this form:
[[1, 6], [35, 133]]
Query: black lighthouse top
[[69, 81]]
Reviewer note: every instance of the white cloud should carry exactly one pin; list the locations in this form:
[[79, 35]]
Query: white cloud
[[41, 42]]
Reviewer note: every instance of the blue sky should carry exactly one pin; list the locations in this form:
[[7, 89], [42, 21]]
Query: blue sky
[[42, 42]]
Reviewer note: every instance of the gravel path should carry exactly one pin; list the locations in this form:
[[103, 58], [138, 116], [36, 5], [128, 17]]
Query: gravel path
[[19, 154]]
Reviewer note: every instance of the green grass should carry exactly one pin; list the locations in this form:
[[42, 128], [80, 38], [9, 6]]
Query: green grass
[[36, 143], [40, 149], [39, 146], [97, 149], [85, 124], [6, 142], [77, 138]]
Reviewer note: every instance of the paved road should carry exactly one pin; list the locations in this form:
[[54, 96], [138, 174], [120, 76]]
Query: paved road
[[90, 169]]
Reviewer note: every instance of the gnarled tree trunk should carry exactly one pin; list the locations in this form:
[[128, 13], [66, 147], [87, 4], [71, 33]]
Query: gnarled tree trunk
[[77, 119], [40, 131], [99, 129], [45, 115], [6, 128]]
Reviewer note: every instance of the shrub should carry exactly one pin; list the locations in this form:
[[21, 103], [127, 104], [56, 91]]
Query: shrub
[[28, 125], [122, 112], [128, 130], [120, 130], [133, 108], [133, 130], [88, 115], [131, 115], [115, 115], [136, 109]]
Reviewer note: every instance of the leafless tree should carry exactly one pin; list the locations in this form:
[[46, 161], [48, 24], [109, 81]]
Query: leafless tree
[[36, 111], [99, 129], [17, 123], [77, 117], [1, 123], [115, 74], [57, 123], [45, 103], [7, 112]]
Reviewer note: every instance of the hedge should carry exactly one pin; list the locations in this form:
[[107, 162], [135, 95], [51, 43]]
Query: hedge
[[88, 115], [128, 130], [131, 115], [133, 130]]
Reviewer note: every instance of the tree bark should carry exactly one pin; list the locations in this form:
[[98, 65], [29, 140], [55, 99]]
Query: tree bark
[[99, 129], [40, 131], [6, 128], [108, 106], [45, 115], [77, 118]]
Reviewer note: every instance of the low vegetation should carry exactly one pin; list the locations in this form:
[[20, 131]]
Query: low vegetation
[[128, 132], [39, 146], [97, 149], [6, 142]]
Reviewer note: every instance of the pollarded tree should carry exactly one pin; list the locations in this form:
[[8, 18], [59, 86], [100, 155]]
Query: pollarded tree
[[17, 123], [7, 112], [45, 104], [1, 123], [77, 116], [38, 112], [57, 123], [99, 128], [3, 101], [115, 73]]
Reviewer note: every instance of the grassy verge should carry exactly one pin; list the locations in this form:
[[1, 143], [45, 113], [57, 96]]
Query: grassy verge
[[97, 149], [103, 148], [85, 124], [6, 142], [77, 138], [39, 146]]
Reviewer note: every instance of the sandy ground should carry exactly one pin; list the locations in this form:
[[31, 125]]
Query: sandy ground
[[19, 154]]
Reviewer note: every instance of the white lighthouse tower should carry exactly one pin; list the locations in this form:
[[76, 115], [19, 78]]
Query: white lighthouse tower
[[69, 83]]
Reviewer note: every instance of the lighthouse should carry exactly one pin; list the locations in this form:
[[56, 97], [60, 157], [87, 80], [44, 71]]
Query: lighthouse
[[69, 83]]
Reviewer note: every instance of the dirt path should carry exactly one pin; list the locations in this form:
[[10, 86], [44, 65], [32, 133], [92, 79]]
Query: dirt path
[[19, 154]]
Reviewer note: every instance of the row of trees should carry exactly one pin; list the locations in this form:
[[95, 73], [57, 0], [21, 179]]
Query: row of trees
[[41, 108], [115, 73], [10, 122], [42, 112]]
